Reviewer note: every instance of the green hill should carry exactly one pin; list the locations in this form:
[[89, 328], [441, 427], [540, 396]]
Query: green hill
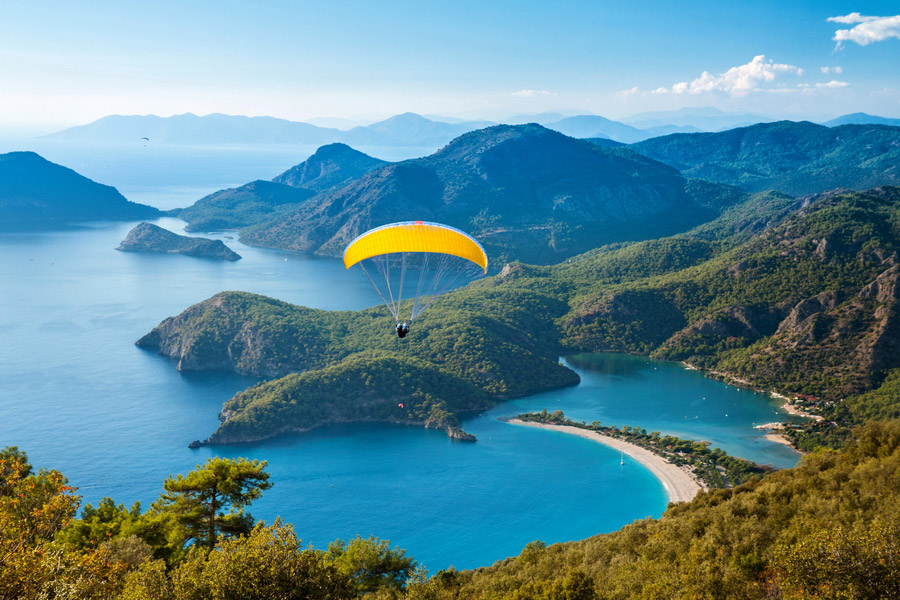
[[475, 351], [808, 306], [243, 206], [35, 192], [526, 192], [795, 158]]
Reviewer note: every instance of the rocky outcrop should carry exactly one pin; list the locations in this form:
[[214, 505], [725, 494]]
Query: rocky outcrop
[[804, 321], [228, 332], [849, 342], [728, 327], [455, 433], [147, 237]]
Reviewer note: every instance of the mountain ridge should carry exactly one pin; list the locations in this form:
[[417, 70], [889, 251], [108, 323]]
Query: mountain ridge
[[798, 158], [514, 187], [37, 192]]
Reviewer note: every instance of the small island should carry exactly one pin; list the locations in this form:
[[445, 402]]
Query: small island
[[147, 237]]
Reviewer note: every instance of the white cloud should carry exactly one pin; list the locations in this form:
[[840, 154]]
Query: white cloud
[[832, 85], [736, 81], [827, 70], [867, 29], [532, 93], [625, 94]]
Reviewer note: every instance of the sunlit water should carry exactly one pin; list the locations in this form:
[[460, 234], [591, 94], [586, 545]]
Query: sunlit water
[[77, 395]]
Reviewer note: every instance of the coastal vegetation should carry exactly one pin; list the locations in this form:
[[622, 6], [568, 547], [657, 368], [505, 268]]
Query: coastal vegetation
[[825, 529], [712, 466], [195, 542]]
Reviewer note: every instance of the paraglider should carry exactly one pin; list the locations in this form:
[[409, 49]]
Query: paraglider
[[415, 261], [146, 140]]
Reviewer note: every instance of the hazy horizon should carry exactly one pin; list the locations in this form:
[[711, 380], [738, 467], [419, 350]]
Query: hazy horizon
[[70, 64]]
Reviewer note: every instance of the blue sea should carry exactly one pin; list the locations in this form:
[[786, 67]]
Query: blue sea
[[77, 395]]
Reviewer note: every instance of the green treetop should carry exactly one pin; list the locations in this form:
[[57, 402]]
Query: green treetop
[[210, 500]]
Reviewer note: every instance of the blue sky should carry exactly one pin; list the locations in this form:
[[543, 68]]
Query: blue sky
[[65, 63]]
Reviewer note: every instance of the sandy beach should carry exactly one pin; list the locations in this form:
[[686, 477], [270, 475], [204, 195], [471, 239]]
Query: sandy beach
[[780, 439], [680, 485]]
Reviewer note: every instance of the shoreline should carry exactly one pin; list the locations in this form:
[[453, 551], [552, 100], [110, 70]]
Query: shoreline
[[680, 484]]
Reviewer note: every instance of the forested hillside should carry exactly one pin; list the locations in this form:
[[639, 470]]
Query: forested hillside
[[525, 192], [796, 158], [473, 352], [233, 208]]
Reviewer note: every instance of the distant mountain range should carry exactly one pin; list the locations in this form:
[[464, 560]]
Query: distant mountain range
[[407, 129], [697, 118], [861, 119], [797, 158], [35, 192], [525, 191], [591, 126]]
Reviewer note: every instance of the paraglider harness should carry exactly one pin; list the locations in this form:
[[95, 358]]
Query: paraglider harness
[[402, 330]]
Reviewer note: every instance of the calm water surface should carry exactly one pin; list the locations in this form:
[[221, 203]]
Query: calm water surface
[[77, 395]]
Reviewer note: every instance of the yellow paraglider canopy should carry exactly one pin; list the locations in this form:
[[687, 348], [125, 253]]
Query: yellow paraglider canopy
[[415, 236]]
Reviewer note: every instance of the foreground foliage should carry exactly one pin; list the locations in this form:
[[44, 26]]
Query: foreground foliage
[[196, 542], [825, 529]]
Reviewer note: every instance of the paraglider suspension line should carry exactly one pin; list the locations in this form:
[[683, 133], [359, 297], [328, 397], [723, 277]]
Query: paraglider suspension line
[[429, 285], [377, 289]]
